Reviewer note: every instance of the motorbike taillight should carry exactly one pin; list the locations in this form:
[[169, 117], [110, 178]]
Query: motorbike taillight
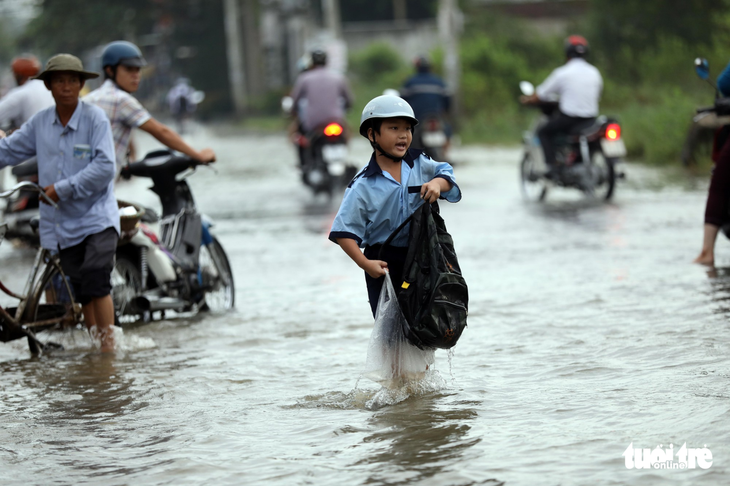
[[333, 130], [613, 131]]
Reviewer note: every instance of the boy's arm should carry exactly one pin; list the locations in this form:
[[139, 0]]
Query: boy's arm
[[431, 191], [374, 268], [168, 137]]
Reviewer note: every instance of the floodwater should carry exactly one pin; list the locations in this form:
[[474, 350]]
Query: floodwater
[[589, 330]]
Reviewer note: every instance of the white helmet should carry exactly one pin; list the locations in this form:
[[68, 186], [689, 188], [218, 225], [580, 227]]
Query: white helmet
[[385, 106]]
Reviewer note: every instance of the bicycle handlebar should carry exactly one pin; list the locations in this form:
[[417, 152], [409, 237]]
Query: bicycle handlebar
[[31, 186]]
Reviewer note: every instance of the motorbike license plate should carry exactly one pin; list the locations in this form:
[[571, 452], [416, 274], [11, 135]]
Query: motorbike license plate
[[334, 153], [613, 148], [434, 139]]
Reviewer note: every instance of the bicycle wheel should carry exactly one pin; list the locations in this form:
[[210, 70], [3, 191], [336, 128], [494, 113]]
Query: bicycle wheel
[[50, 305], [217, 275]]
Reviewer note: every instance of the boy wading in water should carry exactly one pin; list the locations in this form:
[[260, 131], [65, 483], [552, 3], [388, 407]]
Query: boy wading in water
[[392, 186]]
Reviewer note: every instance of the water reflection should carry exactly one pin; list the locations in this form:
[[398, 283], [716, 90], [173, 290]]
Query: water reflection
[[421, 438]]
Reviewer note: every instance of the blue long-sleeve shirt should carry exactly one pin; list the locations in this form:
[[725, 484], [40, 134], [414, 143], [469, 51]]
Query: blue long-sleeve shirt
[[79, 160], [375, 204], [723, 81]]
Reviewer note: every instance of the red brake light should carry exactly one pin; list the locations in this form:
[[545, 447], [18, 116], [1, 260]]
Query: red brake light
[[613, 131], [333, 129]]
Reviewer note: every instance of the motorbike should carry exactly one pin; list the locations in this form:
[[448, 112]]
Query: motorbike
[[323, 154], [23, 206], [172, 262], [588, 158], [430, 136]]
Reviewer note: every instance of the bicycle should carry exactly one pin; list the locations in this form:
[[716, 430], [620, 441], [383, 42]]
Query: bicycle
[[47, 300]]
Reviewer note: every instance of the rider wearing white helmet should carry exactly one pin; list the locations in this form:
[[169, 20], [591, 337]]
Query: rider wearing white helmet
[[388, 190]]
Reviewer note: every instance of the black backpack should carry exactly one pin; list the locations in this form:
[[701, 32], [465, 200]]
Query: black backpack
[[433, 295]]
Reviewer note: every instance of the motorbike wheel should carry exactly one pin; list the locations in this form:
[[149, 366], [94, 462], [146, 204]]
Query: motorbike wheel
[[603, 176], [126, 285], [531, 181], [222, 297]]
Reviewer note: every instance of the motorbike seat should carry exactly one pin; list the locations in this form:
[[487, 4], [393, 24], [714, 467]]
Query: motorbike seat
[[585, 128], [27, 168]]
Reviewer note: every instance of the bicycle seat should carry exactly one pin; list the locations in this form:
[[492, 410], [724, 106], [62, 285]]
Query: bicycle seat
[[27, 168], [149, 216], [34, 224]]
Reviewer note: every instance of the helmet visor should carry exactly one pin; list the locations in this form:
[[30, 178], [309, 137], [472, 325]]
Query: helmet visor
[[133, 62]]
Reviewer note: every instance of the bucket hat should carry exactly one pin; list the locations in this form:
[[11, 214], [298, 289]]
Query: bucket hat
[[65, 63]]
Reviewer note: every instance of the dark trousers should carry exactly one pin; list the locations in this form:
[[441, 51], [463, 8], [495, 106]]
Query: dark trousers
[[395, 257], [558, 125], [718, 197]]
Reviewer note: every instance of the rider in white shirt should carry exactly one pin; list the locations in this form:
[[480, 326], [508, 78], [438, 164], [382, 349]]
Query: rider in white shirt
[[578, 85], [28, 98]]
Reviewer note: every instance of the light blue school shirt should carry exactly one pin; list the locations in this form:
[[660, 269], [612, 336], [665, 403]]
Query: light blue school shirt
[[374, 204], [79, 160]]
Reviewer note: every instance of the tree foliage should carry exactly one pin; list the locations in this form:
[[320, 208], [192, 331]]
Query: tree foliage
[[625, 31]]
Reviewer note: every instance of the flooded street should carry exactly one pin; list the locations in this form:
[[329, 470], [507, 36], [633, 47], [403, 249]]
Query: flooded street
[[589, 330]]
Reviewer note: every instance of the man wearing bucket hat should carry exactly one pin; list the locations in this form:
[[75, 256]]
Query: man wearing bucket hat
[[75, 149], [388, 190]]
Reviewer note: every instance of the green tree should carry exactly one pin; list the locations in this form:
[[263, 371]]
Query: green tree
[[623, 32]]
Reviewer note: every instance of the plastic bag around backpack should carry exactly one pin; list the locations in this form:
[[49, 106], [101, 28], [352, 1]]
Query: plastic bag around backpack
[[392, 360]]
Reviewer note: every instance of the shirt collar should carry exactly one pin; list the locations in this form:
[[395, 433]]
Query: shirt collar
[[73, 123], [373, 167]]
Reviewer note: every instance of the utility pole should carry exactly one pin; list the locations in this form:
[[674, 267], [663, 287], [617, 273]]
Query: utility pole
[[234, 52], [450, 24], [332, 18], [400, 11]]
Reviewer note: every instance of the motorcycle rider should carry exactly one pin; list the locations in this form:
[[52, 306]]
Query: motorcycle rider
[[428, 96], [579, 85], [28, 98], [122, 62], [319, 96]]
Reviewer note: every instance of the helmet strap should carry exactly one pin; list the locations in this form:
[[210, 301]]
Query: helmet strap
[[392, 157]]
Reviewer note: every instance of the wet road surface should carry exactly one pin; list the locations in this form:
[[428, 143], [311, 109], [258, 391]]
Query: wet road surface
[[589, 330]]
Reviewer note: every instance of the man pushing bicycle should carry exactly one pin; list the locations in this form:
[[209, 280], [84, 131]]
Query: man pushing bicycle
[[76, 168]]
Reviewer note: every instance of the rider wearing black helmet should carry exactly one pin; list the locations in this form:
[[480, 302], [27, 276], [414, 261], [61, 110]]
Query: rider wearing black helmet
[[122, 62], [578, 85], [319, 96], [427, 94]]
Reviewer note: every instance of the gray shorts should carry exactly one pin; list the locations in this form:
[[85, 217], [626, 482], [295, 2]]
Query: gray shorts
[[89, 265]]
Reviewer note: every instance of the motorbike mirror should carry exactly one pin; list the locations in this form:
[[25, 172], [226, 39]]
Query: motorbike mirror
[[527, 88], [702, 68], [198, 97], [287, 104], [391, 92]]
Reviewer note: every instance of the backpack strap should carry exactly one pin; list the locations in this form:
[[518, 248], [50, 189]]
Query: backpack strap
[[402, 225]]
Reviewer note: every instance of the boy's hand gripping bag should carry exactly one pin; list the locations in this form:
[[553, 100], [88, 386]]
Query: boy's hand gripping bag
[[391, 359], [433, 295]]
